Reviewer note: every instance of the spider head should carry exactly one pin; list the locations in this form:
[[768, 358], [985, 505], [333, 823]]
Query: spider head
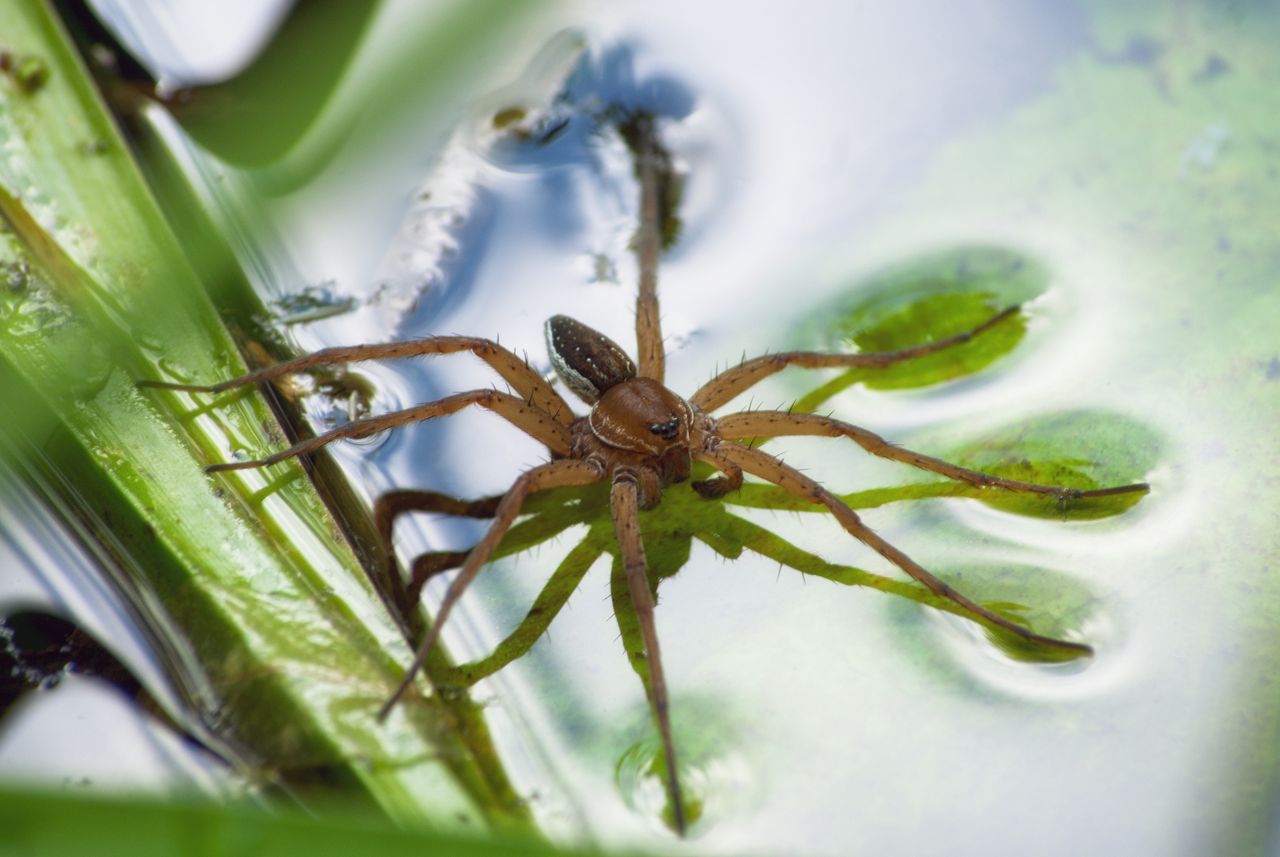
[[641, 415]]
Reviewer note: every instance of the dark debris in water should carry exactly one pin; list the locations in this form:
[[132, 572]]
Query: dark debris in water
[[312, 304], [15, 276], [37, 649], [1144, 51], [601, 93], [509, 117], [1214, 67]]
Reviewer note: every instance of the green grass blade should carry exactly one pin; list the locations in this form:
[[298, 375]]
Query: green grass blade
[[38, 823], [249, 572]]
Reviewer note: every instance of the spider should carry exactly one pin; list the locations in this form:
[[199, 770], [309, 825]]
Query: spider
[[642, 438]]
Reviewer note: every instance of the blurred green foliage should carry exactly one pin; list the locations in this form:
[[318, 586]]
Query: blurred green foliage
[[70, 825]]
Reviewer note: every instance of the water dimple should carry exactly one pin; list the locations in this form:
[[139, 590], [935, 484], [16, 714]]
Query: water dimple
[[1050, 603], [344, 398], [716, 779], [977, 655], [169, 368]]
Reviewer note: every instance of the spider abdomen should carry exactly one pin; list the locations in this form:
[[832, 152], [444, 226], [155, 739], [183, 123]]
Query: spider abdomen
[[588, 362]]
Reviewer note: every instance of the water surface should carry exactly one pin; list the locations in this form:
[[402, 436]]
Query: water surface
[[1126, 154]]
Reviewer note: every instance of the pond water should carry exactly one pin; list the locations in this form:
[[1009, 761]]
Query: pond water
[[1126, 157]]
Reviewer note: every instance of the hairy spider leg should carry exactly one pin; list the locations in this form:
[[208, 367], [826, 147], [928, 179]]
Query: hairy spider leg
[[532, 420], [772, 470], [554, 474], [533, 531], [779, 423], [625, 505], [516, 372], [720, 485], [732, 382], [425, 566], [555, 592], [391, 505], [649, 159]]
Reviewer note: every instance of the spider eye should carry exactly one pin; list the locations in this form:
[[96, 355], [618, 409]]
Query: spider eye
[[667, 430]]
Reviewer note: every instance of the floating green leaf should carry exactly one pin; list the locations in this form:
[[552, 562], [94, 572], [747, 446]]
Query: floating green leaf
[[1081, 449], [923, 301]]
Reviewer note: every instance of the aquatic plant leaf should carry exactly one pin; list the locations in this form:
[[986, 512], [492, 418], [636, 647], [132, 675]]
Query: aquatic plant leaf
[[923, 301], [1080, 449]]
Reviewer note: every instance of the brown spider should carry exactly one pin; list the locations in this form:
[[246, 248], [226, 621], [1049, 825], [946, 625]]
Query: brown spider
[[641, 437]]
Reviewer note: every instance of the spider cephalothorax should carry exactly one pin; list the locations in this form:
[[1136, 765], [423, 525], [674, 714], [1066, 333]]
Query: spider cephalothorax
[[637, 426], [641, 437]]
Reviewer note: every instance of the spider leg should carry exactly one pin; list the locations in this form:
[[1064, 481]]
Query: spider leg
[[720, 485], [550, 475], [543, 524], [535, 422], [391, 505], [767, 467], [653, 167], [624, 502], [428, 565], [524, 380], [776, 423], [730, 383]]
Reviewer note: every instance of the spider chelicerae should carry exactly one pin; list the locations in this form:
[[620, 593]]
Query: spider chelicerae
[[641, 437]]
